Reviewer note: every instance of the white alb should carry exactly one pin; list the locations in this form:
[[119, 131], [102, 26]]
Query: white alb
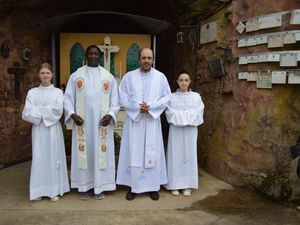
[[44, 108], [184, 113]]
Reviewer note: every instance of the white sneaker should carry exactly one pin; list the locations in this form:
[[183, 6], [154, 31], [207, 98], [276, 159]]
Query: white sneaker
[[37, 199], [187, 192], [54, 199], [175, 192], [100, 196]]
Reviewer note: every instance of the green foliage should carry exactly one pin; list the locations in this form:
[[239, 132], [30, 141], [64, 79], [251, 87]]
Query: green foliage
[[276, 187]]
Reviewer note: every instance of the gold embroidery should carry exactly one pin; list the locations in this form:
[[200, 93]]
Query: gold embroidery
[[80, 131], [81, 147], [103, 148], [103, 132]]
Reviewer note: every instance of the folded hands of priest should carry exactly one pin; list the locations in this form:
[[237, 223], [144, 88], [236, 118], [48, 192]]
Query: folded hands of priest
[[144, 107]]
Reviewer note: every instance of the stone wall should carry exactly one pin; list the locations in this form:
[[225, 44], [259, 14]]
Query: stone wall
[[19, 31], [247, 132]]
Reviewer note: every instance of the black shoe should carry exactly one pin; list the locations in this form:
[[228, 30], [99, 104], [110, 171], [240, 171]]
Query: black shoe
[[84, 196], [154, 195], [130, 196]]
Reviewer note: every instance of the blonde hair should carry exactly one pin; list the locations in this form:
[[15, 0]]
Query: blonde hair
[[46, 66]]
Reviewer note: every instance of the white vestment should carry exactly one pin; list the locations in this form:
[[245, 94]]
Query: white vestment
[[142, 163], [92, 177], [49, 176], [184, 113]]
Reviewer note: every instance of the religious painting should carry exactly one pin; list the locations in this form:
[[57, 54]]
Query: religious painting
[[119, 52], [77, 56], [132, 61]]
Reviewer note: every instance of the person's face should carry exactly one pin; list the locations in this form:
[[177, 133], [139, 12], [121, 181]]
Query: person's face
[[45, 76], [184, 82], [92, 57], [146, 59]]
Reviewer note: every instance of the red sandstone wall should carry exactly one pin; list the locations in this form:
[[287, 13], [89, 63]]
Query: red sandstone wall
[[18, 28], [247, 131], [19, 31]]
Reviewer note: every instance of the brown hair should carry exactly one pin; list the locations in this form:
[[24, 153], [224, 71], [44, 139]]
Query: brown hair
[[181, 72], [47, 66], [175, 85]]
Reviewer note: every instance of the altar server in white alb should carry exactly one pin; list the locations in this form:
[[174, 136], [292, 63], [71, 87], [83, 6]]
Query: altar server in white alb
[[184, 113], [44, 108], [91, 106], [144, 93]]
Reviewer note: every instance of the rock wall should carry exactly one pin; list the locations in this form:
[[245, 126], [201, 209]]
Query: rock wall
[[247, 132], [18, 30]]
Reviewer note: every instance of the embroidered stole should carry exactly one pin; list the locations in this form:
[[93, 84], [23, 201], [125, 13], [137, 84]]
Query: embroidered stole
[[80, 110]]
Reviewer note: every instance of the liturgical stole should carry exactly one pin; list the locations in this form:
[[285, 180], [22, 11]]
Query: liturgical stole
[[80, 110], [150, 123]]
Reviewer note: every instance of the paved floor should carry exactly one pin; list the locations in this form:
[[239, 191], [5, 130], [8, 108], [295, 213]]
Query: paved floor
[[216, 202]]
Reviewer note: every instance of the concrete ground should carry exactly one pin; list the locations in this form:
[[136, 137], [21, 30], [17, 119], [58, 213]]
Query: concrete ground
[[214, 203]]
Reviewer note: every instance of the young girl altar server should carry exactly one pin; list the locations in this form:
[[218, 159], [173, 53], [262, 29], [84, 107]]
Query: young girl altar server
[[184, 113], [44, 108]]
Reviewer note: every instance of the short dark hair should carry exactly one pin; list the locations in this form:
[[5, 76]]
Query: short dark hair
[[92, 46], [181, 72], [142, 50]]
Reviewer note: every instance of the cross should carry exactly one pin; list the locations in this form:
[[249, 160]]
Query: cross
[[107, 48], [18, 71]]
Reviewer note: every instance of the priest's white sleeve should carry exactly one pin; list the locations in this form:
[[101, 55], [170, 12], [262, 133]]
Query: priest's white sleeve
[[157, 107], [132, 107], [69, 101], [51, 114], [30, 112], [114, 101], [186, 117]]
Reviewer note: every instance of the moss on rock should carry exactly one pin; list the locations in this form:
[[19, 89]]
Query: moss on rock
[[276, 187]]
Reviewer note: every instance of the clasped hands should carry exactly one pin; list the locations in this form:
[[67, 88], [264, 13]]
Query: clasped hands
[[144, 107], [103, 122], [77, 119]]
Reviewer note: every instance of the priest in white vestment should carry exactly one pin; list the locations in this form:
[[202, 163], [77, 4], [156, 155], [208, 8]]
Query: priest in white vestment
[[184, 113], [91, 106], [43, 109], [144, 93]]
